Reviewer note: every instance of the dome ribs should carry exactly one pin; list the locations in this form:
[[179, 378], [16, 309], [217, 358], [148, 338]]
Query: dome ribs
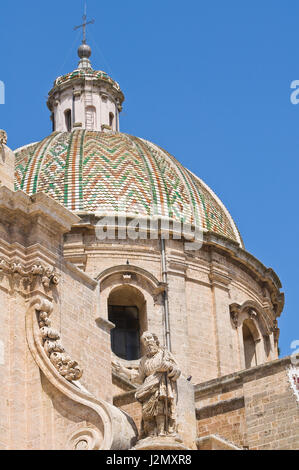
[[109, 172], [30, 182], [178, 198], [114, 172]]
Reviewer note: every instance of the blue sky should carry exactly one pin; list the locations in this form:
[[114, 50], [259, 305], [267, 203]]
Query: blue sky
[[209, 80]]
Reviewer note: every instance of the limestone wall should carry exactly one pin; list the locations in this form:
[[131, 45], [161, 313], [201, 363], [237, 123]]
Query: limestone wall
[[42, 406], [255, 409]]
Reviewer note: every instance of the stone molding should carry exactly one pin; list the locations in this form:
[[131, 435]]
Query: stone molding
[[129, 269], [238, 378], [18, 203], [220, 408], [130, 274], [215, 442], [47, 275], [219, 278], [266, 276]]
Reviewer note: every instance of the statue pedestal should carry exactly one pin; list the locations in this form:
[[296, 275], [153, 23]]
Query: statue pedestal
[[160, 443]]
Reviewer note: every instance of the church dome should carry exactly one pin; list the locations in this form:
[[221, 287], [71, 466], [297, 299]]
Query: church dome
[[92, 172]]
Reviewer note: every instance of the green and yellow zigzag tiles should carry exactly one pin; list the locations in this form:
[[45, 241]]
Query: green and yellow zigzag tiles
[[91, 171]]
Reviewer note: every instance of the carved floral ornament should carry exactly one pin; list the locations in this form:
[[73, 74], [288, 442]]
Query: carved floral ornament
[[62, 362], [47, 275]]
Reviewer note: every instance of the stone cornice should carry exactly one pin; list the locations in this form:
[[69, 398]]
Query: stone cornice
[[105, 324], [81, 274], [243, 256], [219, 278], [264, 275], [18, 203], [125, 384], [240, 377], [220, 407], [47, 276]]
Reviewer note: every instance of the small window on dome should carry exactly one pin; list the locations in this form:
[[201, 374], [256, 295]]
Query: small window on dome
[[111, 119], [90, 118], [68, 120], [249, 345], [53, 122]]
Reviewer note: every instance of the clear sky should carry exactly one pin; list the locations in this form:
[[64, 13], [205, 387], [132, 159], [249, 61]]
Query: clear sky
[[209, 80]]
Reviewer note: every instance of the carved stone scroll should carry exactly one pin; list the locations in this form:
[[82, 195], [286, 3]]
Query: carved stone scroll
[[114, 430], [62, 362]]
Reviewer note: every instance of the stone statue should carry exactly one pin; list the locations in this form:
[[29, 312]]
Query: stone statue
[[3, 142], [3, 137], [157, 375]]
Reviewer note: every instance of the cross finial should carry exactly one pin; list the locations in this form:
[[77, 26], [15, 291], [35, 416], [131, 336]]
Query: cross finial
[[84, 24]]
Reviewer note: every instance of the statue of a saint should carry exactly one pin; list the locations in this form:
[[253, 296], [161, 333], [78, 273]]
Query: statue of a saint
[[157, 375], [3, 142]]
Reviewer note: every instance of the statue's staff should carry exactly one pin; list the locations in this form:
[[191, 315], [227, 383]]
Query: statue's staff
[[166, 396]]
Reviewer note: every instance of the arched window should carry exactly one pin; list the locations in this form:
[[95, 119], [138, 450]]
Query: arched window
[[126, 309], [267, 347], [111, 119], [68, 120], [90, 118], [53, 122], [249, 345]]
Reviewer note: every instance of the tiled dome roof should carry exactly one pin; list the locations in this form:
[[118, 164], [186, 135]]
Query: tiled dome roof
[[91, 172]]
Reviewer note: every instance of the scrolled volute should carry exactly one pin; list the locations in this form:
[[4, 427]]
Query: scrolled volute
[[63, 363]]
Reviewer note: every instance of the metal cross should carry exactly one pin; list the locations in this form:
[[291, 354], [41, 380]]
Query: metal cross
[[85, 23]]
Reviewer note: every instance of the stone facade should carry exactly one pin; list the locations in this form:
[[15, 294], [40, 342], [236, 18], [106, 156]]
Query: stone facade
[[40, 408], [255, 408], [208, 298], [214, 307]]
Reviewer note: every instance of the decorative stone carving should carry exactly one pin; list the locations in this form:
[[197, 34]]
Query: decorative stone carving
[[84, 438], [3, 137], [98, 425], [106, 128], [157, 375], [252, 314], [68, 368], [48, 276], [3, 141], [275, 330], [234, 313]]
